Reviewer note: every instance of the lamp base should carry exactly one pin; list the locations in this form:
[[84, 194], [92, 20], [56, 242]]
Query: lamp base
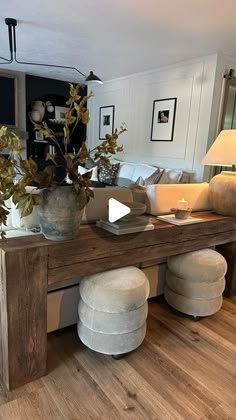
[[222, 193]]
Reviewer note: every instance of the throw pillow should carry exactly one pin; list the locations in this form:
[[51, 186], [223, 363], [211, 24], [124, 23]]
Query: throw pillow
[[90, 163], [171, 176], [94, 176], [154, 178], [108, 174]]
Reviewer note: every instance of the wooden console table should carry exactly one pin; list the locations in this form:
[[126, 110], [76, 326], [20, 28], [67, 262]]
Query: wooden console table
[[29, 264]]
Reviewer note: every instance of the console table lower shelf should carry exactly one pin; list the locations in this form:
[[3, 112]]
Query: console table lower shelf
[[30, 264]]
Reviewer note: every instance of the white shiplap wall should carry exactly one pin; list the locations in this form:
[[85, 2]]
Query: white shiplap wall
[[193, 85]]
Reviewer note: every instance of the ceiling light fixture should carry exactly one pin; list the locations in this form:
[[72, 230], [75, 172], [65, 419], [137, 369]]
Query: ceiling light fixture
[[12, 23]]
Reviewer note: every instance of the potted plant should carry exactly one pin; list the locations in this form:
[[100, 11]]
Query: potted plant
[[63, 192]]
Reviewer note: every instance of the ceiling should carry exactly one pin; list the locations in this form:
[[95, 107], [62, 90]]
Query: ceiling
[[115, 38]]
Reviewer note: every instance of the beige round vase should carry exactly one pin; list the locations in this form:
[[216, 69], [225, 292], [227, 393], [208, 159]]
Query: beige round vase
[[222, 193]]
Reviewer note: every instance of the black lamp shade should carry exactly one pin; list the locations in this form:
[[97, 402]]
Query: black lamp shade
[[93, 78]]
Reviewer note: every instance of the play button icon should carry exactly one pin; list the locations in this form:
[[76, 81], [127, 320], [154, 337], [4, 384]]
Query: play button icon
[[116, 210]]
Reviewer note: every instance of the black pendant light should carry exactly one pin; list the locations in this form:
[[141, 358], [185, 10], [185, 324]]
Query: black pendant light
[[12, 23]]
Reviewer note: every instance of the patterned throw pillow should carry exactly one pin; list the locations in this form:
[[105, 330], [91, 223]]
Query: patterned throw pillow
[[108, 174]]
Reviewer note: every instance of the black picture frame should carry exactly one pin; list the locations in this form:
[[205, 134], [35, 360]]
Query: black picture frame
[[163, 119], [106, 120]]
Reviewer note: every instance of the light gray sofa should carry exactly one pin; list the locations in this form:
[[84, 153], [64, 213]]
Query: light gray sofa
[[130, 172]]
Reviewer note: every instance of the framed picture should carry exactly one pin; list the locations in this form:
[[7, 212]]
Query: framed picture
[[39, 136], [9, 101], [60, 112], [106, 121], [163, 119]]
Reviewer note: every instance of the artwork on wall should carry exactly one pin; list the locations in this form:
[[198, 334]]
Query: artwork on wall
[[60, 112], [106, 121], [39, 136], [163, 119]]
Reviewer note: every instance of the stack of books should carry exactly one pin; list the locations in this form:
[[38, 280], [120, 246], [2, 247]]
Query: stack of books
[[139, 224]]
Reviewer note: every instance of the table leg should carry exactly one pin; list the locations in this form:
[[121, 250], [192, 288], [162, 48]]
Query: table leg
[[229, 252], [23, 315]]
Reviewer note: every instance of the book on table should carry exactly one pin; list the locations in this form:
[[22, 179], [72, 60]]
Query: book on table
[[139, 224]]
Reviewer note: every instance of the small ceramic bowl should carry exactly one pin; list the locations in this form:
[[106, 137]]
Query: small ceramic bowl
[[181, 214], [136, 209]]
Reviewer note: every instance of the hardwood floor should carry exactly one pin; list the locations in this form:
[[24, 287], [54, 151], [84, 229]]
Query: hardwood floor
[[183, 370]]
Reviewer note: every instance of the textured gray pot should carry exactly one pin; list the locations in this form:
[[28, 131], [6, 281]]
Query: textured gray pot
[[59, 214]]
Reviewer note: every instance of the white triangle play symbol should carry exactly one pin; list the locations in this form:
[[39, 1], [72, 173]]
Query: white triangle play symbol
[[116, 210]]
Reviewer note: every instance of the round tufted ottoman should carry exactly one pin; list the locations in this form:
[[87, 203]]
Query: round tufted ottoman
[[113, 310], [195, 282]]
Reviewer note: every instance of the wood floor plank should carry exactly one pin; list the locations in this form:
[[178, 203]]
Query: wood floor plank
[[221, 412], [37, 405], [127, 388], [70, 389], [201, 340], [184, 370], [189, 358], [189, 398]]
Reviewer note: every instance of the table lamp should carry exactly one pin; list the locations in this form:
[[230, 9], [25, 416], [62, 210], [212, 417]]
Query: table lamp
[[222, 187]]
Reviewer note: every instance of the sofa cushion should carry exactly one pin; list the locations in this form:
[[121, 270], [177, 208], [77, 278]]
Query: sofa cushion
[[97, 207], [129, 172], [154, 178], [125, 174], [143, 170], [108, 174], [171, 176], [161, 198]]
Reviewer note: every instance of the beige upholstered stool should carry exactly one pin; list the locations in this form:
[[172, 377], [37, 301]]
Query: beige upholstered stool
[[195, 282], [113, 310]]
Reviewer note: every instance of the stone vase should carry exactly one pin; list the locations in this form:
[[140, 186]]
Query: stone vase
[[39, 107], [59, 213]]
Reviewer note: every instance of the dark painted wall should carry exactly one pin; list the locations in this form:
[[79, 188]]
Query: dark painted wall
[[56, 91]]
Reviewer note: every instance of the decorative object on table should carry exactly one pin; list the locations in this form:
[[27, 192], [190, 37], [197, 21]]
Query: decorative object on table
[[113, 310], [60, 174], [106, 120], [182, 204], [139, 224], [37, 107], [34, 116], [222, 187], [163, 119], [181, 214], [60, 113], [170, 218], [136, 209], [49, 106], [56, 121], [195, 282]]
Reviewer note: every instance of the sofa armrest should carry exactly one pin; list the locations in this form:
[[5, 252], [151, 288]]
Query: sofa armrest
[[161, 198]]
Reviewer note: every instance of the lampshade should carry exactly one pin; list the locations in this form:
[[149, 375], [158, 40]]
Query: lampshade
[[223, 150], [222, 187]]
